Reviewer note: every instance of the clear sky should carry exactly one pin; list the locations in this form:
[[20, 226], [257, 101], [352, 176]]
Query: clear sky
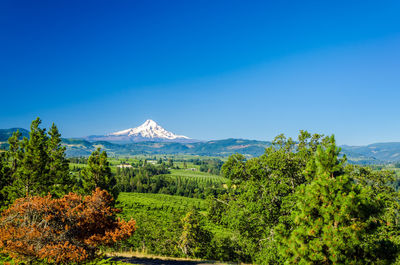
[[205, 69]]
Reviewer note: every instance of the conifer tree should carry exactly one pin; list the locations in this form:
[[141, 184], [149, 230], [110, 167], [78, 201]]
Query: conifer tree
[[58, 167], [335, 219], [10, 162], [36, 165], [195, 238], [14, 153], [98, 174], [4, 181], [30, 159]]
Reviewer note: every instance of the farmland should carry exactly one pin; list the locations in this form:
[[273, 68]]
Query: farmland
[[130, 202], [159, 224]]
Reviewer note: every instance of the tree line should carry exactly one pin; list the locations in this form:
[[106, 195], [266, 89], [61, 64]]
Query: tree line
[[150, 178], [301, 203], [42, 220]]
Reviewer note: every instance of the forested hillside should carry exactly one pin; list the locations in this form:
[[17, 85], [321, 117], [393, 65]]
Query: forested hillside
[[77, 147]]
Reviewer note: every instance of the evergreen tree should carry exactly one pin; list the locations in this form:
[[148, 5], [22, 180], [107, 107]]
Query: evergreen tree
[[98, 174], [195, 238], [29, 158], [4, 181], [10, 163], [36, 165], [14, 153], [58, 164], [335, 219]]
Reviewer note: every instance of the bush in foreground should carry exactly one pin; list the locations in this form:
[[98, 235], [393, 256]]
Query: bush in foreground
[[65, 230]]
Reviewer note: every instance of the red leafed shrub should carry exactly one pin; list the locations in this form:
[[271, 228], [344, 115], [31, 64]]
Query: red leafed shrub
[[65, 230]]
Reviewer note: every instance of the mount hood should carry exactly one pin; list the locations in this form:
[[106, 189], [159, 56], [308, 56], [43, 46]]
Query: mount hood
[[148, 131]]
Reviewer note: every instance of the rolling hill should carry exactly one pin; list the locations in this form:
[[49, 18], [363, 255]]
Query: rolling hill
[[79, 147], [7, 133]]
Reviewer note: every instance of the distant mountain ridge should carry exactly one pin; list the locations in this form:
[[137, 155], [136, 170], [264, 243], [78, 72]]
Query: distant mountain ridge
[[148, 131], [7, 133], [370, 154], [377, 153], [381, 152], [81, 147]]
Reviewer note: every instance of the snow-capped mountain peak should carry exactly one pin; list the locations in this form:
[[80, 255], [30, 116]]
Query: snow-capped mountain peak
[[148, 131], [151, 130]]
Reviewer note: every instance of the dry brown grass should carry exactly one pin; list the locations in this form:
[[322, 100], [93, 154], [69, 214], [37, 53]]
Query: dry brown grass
[[137, 254]]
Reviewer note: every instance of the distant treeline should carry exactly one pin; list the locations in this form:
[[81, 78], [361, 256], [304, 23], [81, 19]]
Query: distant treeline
[[152, 179], [145, 177]]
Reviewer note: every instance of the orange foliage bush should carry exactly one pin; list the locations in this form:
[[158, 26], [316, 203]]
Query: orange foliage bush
[[65, 230]]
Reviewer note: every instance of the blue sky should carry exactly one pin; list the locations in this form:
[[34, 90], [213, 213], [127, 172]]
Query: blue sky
[[205, 69]]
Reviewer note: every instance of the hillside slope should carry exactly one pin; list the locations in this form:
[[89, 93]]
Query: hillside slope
[[78, 147], [7, 133]]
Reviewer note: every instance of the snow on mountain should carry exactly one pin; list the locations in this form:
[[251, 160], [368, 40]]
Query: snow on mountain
[[148, 131]]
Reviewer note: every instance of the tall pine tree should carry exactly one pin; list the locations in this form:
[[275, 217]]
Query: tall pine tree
[[31, 174], [335, 218], [58, 166], [36, 165], [195, 238], [98, 174], [4, 181]]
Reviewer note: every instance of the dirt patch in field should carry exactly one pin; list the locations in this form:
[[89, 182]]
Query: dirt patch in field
[[151, 261], [238, 147]]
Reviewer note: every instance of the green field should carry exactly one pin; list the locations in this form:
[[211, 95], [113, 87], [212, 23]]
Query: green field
[[76, 165], [202, 178], [158, 218], [134, 202]]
